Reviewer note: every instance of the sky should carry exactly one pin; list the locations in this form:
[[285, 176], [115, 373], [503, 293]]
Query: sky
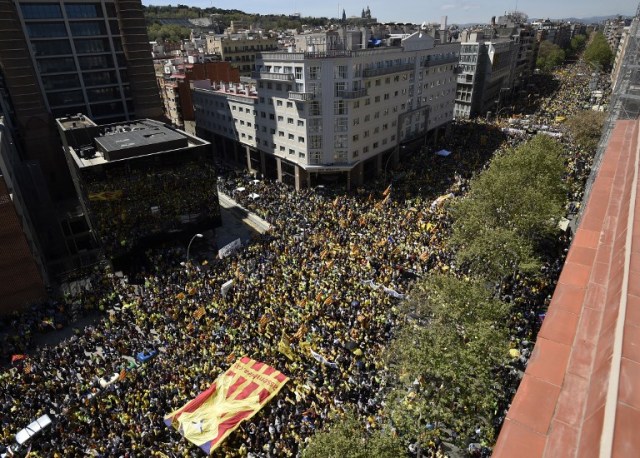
[[418, 11]]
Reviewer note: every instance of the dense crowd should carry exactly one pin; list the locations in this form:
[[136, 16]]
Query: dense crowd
[[311, 277]]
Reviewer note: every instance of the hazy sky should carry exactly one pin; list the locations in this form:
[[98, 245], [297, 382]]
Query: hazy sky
[[417, 11]]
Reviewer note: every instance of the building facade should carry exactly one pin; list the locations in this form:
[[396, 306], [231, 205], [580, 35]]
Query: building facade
[[340, 115], [487, 73], [240, 49], [66, 57], [140, 183]]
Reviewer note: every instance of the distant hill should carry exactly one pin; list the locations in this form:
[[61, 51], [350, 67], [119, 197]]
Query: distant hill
[[584, 20]]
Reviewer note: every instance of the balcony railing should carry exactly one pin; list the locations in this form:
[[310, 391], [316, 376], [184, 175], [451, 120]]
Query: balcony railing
[[273, 76], [369, 72], [353, 94], [301, 96], [447, 60]]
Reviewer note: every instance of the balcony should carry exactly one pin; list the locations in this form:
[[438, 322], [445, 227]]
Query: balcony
[[435, 62], [301, 96], [288, 77], [369, 72], [353, 94]]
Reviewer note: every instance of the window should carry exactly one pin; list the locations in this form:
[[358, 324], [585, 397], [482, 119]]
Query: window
[[272, 116], [341, 124], [340, 72], [291, 151], [279, 103], [339, 107], [314, 108], [300, 139], [356, 153], [282, 149], [97, 45], [300, 123], [298, 73], [84, 10], [356, 138], [95, 62], [46, 30], [41, 11], [289, 120], [367, 118], [60, 82], [356, 104], [291, 136], [81, 29], [280, 133], [65, 98], [280, 118], [51, 47], [289, 104], [367, 101], [314, 73], [315, 141]]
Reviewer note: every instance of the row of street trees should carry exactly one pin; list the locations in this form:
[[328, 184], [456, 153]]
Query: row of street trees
[[446, 360], [597, 52]]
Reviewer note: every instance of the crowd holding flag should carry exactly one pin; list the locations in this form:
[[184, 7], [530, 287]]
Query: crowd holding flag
[[235, 396]]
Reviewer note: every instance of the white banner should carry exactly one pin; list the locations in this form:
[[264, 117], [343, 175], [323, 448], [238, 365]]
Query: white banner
[[229, 249], [226, 287]]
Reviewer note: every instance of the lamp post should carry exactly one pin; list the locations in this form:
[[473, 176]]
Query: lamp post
[[199, 236]]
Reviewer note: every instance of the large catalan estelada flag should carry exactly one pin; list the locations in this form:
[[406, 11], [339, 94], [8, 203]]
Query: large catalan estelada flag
[[236, 395]]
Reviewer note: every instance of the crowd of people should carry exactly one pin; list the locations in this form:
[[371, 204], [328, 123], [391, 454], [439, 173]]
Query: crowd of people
[[329, 275]]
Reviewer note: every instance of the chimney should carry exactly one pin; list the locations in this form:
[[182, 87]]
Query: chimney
[[493, 21], [443, 23]]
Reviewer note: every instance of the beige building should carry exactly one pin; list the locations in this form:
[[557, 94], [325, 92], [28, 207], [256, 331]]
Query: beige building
[[240, 49]]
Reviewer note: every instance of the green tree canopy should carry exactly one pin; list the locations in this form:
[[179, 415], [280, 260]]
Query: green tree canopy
[[586, 128], [444, 359], [347, 438], [598, 52], [549, 56], [577, 43], [511, 206], [168, 32]]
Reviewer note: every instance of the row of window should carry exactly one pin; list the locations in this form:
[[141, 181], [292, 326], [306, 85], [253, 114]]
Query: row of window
[[83, 46], [94, 95], [67, 64], [72, 10], [77, 29], [55, 82]]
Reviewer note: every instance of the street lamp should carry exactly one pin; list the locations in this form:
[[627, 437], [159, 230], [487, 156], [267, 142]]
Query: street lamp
[[199, 236]]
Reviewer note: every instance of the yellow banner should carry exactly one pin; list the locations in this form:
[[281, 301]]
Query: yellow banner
[[236, 395]]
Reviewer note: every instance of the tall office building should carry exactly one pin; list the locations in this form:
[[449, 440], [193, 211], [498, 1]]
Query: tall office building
[[60, 57]]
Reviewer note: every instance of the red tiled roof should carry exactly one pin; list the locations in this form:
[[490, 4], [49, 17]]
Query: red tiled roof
[[580, 395]]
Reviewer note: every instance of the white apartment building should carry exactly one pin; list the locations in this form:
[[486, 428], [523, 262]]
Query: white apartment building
[[334, 115]]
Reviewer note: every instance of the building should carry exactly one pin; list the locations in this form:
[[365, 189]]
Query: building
[[140, 183], [336, 116], [240, 49], [22, 280], [65, 57], [486, 73], [174, 79]]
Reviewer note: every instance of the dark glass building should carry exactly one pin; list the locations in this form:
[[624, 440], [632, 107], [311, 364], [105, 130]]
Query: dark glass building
[[140, 183]]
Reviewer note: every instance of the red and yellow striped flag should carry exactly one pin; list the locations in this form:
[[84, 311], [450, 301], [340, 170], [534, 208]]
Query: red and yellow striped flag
[[235, 396]]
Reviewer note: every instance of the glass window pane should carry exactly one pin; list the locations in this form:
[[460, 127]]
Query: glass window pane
[[64, 64], [80, 29], [51, 48], [46, 30], [99, 78], [60, 82], [41, 11], [83, 10], [103, 93], [95, 62], [65, 98], [107, 109], [92, 46]]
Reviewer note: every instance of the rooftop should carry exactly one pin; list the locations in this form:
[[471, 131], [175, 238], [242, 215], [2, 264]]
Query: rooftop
[[579, 395]]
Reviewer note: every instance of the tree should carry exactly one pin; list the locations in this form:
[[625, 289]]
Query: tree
[[586, 128], [577, 43], [510, 208], [444, 360], [549, 56], [168, 32], [598, 52], [347, 438]]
